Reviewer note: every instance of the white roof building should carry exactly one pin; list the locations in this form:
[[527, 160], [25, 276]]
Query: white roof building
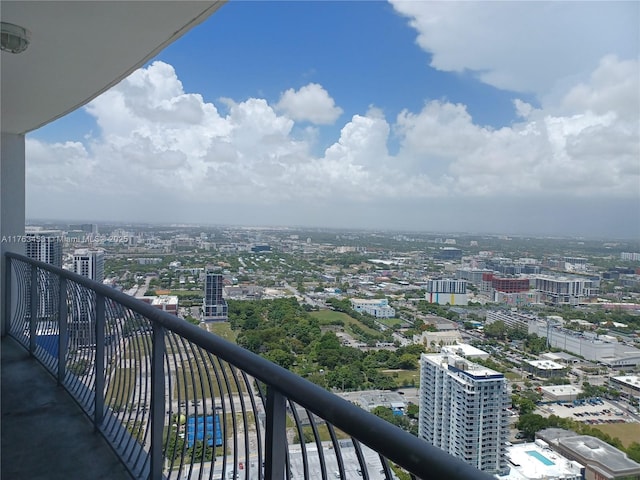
[[535, 461], [465, 350]]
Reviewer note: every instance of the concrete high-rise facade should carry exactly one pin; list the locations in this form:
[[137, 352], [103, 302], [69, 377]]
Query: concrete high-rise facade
[[446, 291], [214, 306], [45, 246], [463, 410], [88, 263]]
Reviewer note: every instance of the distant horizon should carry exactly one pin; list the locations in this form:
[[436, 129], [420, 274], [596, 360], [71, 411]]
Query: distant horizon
[[452, 233]]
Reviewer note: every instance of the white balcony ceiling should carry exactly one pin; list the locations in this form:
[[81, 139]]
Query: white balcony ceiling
[[79, 49]]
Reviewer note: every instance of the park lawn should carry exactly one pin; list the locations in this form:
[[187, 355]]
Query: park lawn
[[513, 376], [138, 346], [389, 322], [323, 432], [626, 432], [326, 317], [193, 382], [222, 329], [404, 377], [120, 388], [187, 293]]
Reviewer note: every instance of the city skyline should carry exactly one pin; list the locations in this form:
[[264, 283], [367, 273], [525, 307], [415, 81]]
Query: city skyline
[[525, 133]]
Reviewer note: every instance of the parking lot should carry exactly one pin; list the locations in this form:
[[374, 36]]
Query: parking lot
[[598, 412]]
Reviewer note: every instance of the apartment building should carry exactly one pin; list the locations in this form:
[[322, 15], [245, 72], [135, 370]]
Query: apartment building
[[446, 291], [463, 410], [566, 290]]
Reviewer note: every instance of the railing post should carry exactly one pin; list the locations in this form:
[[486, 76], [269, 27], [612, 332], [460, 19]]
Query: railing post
[[275, 435], [6, 318], [33, 309], [63, 332], [157, 401], [99, 362]]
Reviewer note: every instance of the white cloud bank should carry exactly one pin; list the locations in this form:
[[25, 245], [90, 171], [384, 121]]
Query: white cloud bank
[[537, 46], [165, 154]]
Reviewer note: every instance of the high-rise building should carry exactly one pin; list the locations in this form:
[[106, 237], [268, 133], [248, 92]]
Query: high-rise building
[[214, 307], [45, 246], [448, 290], [88, 263], [463, 410], [566, 290], [84, 228]]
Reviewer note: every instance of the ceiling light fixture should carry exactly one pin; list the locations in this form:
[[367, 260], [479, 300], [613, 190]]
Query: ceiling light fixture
[[14, 38]]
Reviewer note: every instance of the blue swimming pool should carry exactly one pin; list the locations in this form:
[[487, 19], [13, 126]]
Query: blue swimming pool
[[540, 457]]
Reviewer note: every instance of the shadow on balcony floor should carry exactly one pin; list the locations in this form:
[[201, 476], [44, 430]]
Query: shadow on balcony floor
[[45, 435]]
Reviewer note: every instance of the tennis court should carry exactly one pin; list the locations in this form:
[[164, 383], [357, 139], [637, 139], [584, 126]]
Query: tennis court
[[204, 429]]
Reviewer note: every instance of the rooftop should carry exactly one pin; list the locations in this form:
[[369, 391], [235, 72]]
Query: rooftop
[[533, 460], [456, 361], [545, 364], [591, 451]]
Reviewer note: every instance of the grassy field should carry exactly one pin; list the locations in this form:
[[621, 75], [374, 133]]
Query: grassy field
[[193, 382], [323, 432], [513, 376], [404, 377], [389, 322], [626, 432], [138, 346], [222, 329], [326, 317], [120, 388]]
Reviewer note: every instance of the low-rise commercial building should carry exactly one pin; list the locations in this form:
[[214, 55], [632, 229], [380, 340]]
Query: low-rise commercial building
[[545, 368], [560, 393], [378, 308], [628, 385], [601, 460], [536, 461]]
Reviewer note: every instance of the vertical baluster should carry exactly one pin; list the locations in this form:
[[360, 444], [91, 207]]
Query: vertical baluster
[[99, 362], [275, 435], [157, 401], [33, 309], [63, 334], [6, 319]]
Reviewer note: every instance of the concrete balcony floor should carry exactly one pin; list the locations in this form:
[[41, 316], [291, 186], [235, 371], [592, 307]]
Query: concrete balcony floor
[[45, 435]]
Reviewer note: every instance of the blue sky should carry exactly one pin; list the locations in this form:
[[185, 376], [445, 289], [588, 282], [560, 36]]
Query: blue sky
[[404, 115], [363, 52]]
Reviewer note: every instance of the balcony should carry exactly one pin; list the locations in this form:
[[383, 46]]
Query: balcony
[[162, 398]]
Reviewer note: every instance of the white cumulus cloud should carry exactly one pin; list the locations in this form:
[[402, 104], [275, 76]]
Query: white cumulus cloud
[[311, 103], [165, 154], [535, 47]]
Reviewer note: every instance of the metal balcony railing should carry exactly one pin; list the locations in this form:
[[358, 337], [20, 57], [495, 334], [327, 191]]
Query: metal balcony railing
[[175, 401]]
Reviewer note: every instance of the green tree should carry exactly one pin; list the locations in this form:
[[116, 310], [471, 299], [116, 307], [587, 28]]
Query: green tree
[[633, 451], [413, 410], [496, 330], [530, 423]]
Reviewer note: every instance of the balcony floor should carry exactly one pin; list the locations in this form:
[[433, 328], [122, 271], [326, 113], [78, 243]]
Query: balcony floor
[[45, 435]]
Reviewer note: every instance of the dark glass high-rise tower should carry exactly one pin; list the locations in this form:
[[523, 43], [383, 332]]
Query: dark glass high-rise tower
[[214, 307]]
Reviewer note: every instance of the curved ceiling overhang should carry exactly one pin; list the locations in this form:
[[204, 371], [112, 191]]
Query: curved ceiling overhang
[[78, 49]]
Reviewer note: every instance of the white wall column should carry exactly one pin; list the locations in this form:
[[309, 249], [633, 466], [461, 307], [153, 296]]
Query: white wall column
[[12, 204]]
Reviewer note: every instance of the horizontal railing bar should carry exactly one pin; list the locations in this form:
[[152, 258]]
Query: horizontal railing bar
[[414, 454]]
